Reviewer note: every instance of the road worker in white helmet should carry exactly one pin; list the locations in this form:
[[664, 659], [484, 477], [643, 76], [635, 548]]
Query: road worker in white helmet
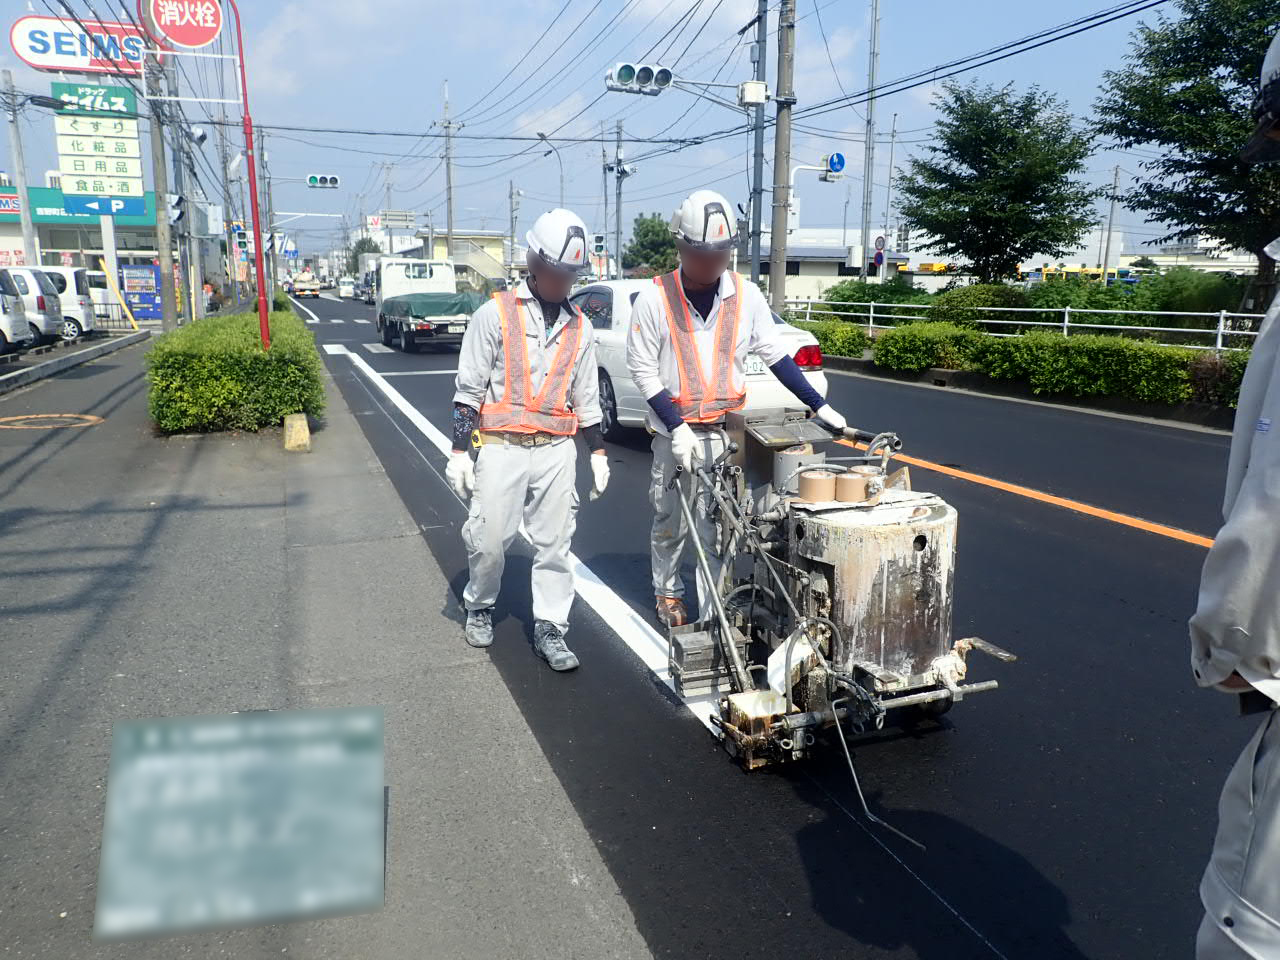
[[527, 382], [1235, 632], [687, 353]]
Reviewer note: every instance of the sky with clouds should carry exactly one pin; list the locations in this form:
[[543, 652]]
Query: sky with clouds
[[383, 65]]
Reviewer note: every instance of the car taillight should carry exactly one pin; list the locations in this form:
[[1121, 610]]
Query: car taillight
[[39, 302], [809, 358]]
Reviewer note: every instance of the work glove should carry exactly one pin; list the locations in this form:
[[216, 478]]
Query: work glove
[[461, 473], [831, 418], [599, 474], [684, 446]]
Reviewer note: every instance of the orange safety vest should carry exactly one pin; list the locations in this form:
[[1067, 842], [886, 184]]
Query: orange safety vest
[[703, 399], [519, 410]]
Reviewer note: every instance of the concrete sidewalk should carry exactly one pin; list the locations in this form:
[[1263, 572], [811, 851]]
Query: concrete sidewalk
[[146, 577]]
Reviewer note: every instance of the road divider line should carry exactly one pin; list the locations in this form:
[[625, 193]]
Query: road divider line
[[1124, 519], [643, 640], [296, 303]]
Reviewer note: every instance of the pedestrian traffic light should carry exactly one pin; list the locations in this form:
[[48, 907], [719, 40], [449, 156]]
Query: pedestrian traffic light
[[328, 181], [242, 240], [639, 78], [597, 244], [176, 206]]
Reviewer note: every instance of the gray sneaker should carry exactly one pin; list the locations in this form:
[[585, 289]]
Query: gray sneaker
[[480, 627], [548, 643]]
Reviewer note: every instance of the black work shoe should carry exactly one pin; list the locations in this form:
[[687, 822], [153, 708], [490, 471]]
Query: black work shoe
[[548, 643], [480, 627]]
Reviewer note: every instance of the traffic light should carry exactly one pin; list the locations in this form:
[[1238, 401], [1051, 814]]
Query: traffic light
[[176, 206], [598, 244], [325, 180], [242, 240], [639, 78]]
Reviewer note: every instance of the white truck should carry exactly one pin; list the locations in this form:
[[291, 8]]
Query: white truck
[[417, 303], [305, 284]]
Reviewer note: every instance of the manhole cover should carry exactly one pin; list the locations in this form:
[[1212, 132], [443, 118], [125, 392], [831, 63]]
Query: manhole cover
[[49, 421]]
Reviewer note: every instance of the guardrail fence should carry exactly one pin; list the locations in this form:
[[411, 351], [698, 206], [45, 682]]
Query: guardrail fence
[[1221, 331]]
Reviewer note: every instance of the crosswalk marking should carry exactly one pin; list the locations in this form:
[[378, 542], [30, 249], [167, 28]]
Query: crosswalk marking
[[359, 321], [377, 348], [316, 320], [337, 321]]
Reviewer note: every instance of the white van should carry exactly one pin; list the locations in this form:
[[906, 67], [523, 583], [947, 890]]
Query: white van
[[72, 284], [15, 333], [40, 297]]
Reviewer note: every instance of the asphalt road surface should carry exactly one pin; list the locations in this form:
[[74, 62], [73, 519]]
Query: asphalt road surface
[[1067, 815]]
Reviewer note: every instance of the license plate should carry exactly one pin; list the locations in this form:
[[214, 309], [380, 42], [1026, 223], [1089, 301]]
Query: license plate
[[755, 366], [457, 328]]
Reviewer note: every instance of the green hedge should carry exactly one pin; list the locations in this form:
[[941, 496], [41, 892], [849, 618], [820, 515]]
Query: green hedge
[[280, 301], [837, 338], [214, 375], [915, 347]]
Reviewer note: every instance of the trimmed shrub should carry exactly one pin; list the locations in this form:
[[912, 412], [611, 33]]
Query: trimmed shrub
[[1086, 365], [280, 301], [837, 339], [914, 347], [1216, 379], [214, 375], [958, 304]]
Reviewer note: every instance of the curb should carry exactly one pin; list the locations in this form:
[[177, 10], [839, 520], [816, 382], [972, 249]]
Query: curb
[[20, 378], [1197, 414], [297, 433]]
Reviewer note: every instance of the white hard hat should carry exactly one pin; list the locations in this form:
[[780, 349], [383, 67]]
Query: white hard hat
[[705, 221], [559, 239], [1264, 145]]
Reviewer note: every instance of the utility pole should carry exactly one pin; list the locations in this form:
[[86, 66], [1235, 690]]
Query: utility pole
[[180, 190], [160, 180], [270, 265], [617, 199], [888, 190], [758, 52], [1111, 220], [869, 155], [785, 99], [604, 194], [512, 195], [448, 174], [20, 174], [386, 205], [228, 215]]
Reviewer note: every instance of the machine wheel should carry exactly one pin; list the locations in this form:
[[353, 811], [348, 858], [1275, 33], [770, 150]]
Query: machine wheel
[[384, 328], [70, 329], [408, 341], [609, 425]]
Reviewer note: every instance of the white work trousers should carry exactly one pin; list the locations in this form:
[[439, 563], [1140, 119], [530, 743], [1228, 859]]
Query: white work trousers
[[1241, 886], [670, 531], [536, 485]]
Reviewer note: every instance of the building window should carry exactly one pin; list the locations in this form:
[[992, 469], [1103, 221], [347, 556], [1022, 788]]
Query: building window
[[53, 181], [793, 268], [844, 270]]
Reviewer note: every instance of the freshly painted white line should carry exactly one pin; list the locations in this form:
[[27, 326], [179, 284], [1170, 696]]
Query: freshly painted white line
[[314, 318], [419, 373], [377, 348], [644, 641]]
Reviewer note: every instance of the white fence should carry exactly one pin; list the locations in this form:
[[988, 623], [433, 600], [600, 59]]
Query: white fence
[[1216, 332]]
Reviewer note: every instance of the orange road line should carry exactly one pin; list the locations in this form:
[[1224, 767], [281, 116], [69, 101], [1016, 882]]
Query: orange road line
[[1173, 533]]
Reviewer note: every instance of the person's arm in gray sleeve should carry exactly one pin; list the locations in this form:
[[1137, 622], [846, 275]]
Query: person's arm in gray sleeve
[[644, 343], [480, 345], [585, 392]]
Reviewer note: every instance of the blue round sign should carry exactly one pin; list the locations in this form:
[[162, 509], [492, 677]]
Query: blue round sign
[[835, 162]]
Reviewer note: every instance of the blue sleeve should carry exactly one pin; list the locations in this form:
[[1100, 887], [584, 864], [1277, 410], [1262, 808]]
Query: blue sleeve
[[790, 376], [665, 407]]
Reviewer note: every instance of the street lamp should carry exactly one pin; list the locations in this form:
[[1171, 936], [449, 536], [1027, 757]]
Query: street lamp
[[559, 162]]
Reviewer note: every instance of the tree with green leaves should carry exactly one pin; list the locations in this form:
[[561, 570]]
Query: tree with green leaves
[[652, 246], [363, 245], [1144, 263], [1001, 183], [1185, 94]]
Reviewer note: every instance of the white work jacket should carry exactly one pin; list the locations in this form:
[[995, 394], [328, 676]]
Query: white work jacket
[[482, 365], [651, 357]]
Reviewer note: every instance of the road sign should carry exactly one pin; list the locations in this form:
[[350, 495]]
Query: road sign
[[188, 23], [71, 166], [878, 258], [105, 206], [96, 126], [835, 162], [879, 243], [95, 99], [100, 46]]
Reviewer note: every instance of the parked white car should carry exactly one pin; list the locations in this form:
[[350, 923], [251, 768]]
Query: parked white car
[[14, 330], [72, 284], [607, 304], [40, 297]]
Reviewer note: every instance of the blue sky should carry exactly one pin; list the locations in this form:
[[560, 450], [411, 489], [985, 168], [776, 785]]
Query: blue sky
[[383, 65]]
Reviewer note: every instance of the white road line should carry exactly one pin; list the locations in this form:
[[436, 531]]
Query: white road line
[[314, 318], [338, 320], [645, 642], [419, 373], [359, 321], [377, 348]]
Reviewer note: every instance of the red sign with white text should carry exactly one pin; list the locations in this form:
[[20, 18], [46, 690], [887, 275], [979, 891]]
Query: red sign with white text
[[186, 23]]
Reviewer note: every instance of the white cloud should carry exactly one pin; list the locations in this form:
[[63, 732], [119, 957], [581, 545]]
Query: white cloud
[[546, 120]]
